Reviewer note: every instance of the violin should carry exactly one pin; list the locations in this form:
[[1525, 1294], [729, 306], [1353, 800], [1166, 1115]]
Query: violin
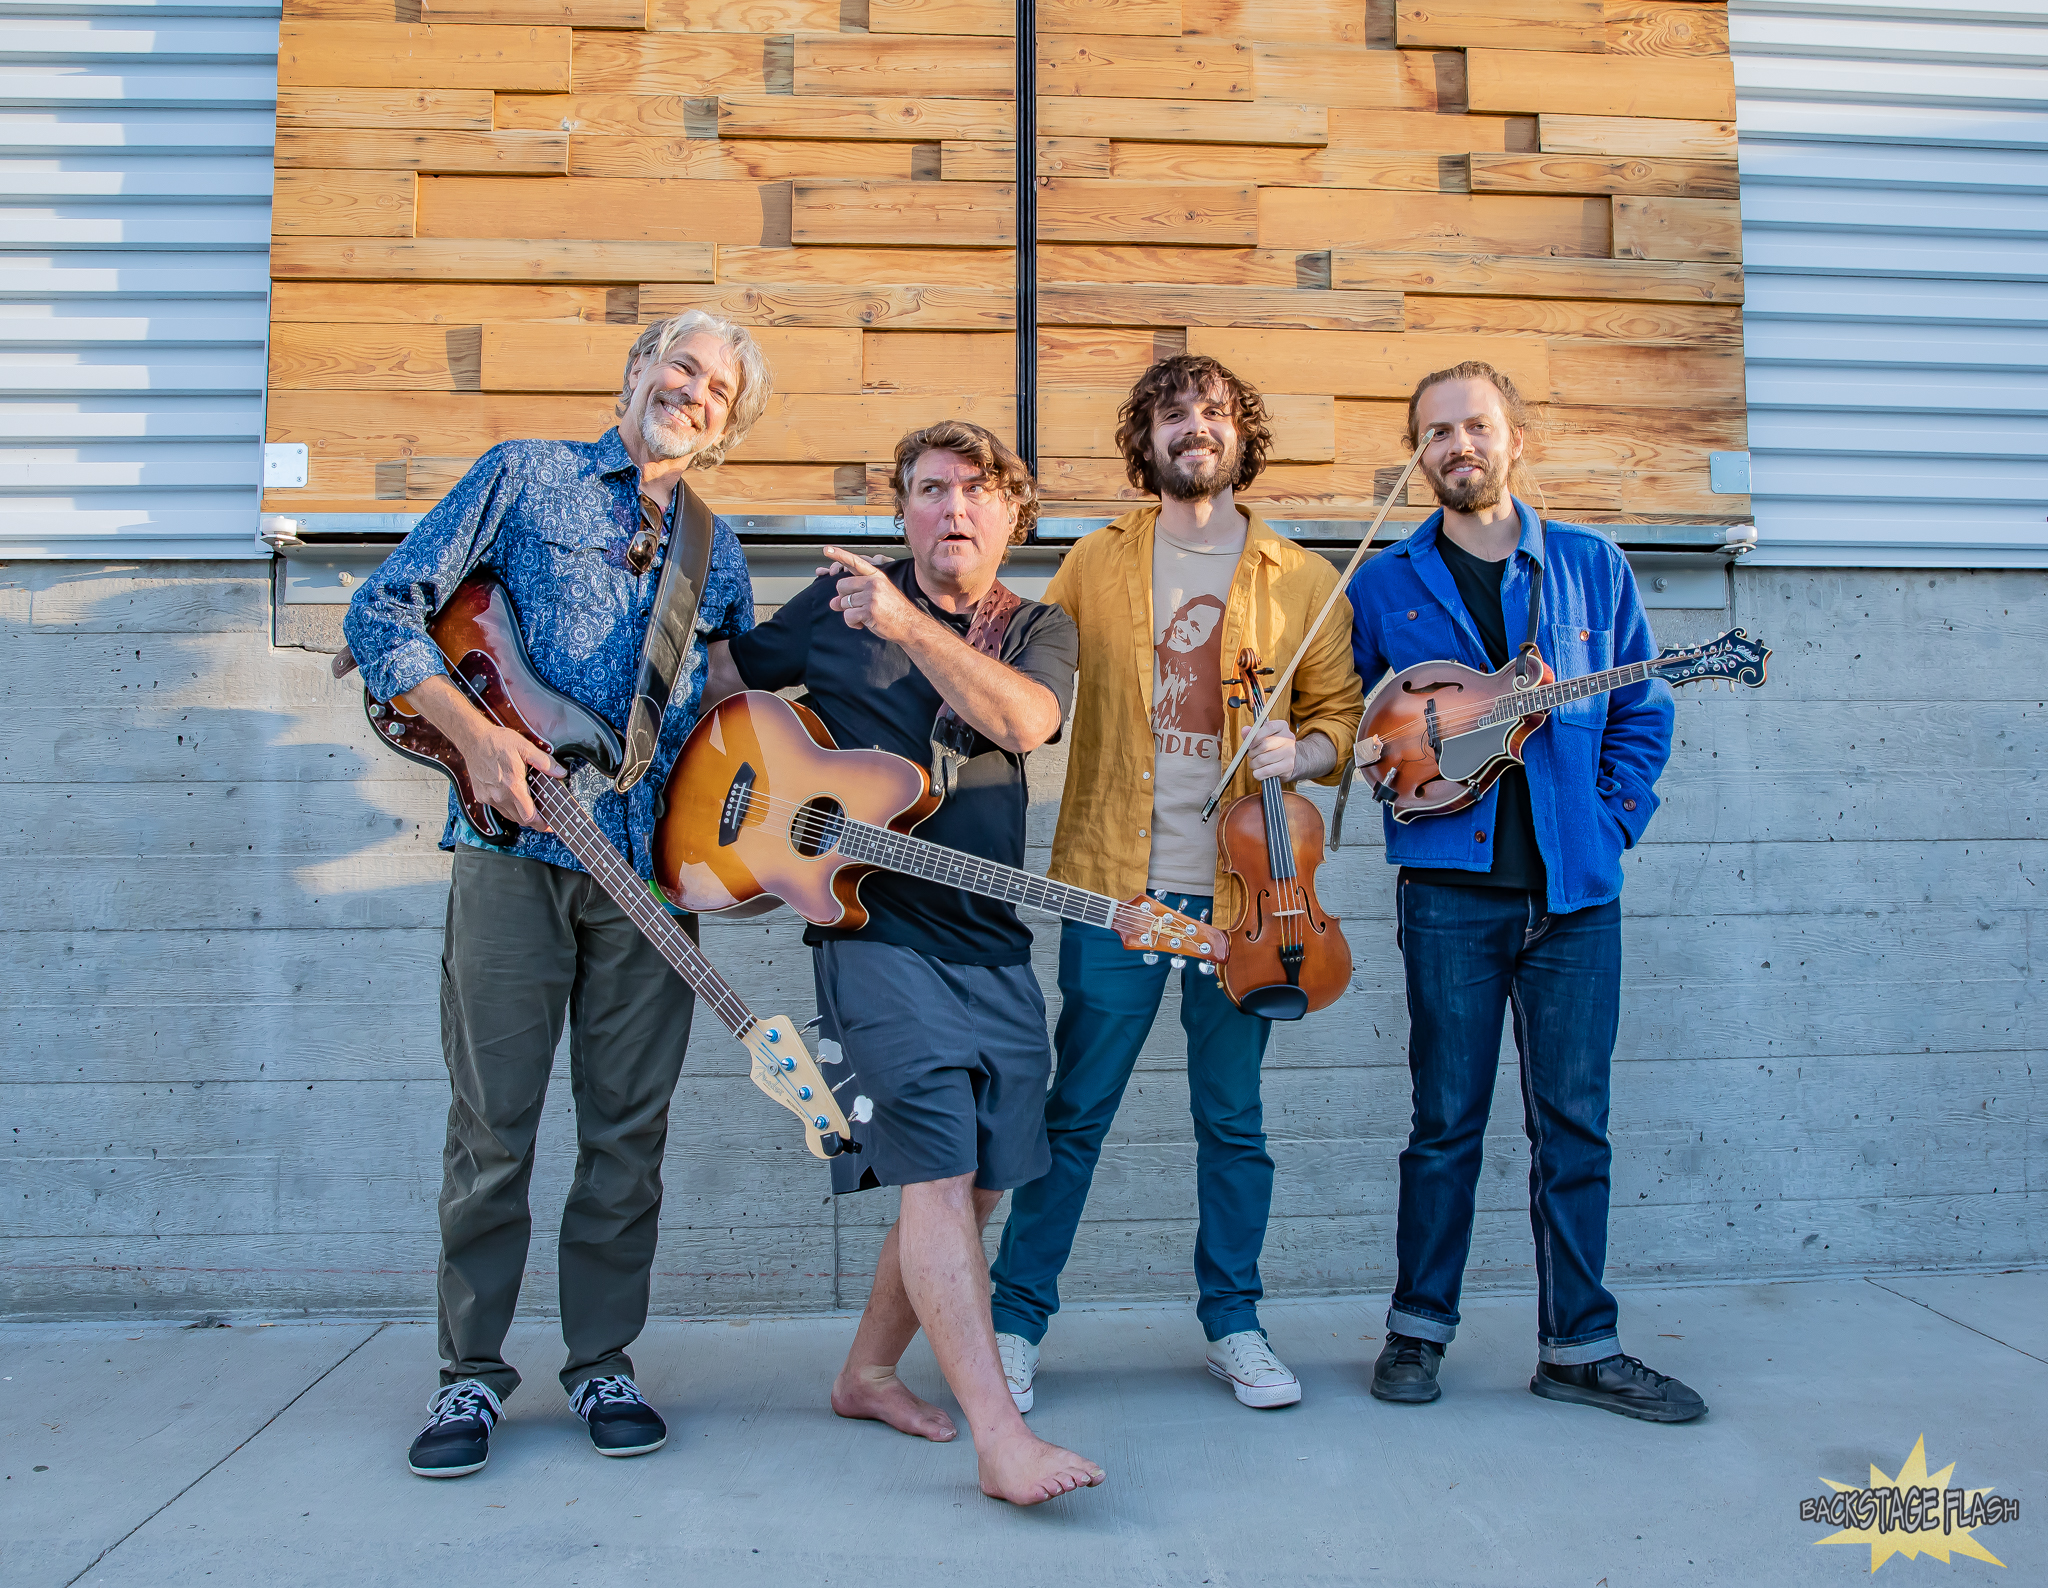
[[1287, 957]]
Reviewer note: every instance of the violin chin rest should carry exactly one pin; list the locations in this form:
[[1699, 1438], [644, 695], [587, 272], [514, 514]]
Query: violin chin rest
[[1275, 1003]]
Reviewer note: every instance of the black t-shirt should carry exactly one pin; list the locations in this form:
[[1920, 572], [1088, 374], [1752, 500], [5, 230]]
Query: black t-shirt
[[1517, 862], [870, 695]]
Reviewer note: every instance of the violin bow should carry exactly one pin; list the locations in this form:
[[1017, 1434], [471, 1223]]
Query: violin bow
[[1278, 690]]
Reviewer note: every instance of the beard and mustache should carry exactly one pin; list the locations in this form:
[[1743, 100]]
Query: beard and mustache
[[662, 439], [1474, 493], [1197, 479]]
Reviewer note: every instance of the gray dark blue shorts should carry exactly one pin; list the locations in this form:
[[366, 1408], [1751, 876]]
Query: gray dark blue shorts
[[953, 1058]]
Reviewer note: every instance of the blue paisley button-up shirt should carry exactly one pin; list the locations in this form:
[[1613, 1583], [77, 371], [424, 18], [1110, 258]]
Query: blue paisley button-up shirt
[[552, 520]]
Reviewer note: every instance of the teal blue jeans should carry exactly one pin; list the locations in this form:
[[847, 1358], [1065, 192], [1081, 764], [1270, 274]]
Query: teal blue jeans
[[1110, 997]]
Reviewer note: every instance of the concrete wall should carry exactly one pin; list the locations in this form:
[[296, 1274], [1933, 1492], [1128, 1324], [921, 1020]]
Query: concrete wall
[[223, 1086]]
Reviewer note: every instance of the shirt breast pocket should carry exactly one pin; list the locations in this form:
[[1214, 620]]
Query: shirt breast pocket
[[1574, 652], [578, 563], [1409, 635]]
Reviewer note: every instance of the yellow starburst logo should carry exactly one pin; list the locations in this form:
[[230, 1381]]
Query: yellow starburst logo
[[1913, 1514]]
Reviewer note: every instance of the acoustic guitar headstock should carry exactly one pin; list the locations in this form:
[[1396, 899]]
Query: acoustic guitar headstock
[[1148, 927], [1733, 656]]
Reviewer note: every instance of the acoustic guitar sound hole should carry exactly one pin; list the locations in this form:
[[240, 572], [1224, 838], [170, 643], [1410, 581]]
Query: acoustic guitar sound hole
[[816, 827]]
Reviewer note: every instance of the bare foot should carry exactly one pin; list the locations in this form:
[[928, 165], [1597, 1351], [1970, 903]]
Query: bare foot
[[1026, 1471], [876, 1393]]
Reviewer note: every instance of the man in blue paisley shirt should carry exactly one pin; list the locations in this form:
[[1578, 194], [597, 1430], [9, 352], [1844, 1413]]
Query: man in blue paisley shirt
[[531, 937]]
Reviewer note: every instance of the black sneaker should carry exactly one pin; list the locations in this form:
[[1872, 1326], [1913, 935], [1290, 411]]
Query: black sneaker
[[1619, 1384], [621, 1421], [457, 1438], [1406, 1370]]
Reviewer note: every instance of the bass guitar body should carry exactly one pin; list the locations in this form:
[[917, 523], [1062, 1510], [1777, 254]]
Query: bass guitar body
[[1442, 754]]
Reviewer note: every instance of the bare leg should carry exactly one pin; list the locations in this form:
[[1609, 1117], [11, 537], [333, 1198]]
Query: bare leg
[[867, 1385]]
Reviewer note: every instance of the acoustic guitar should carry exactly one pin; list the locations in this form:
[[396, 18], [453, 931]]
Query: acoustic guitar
[[1441, 733], [478, 632], [762, 806]]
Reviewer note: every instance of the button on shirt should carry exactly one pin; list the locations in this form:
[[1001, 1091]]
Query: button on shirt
[[552, 519]]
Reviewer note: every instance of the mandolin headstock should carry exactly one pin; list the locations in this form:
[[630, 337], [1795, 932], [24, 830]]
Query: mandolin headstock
[[1147, 926], [1734, 657]]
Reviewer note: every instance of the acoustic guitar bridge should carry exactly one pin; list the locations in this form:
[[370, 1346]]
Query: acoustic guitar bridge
[[732, 815]]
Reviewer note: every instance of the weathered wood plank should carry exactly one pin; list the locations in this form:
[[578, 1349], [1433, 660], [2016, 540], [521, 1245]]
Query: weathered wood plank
[[745, 16], [1081, 303], [1691, 89], [1678, 228], [1638, 137], [488, 259], [1401, 222], [342, 203], [1365, 79], [748, 160], [1235, 267], [1491, 276], [997, 162], [991, 268], [437, 424], [1575, 25], [566, 358], [861, 429], [960, 68], [610, 115], [204, 598], [870, 118], [1130, 119], [400, 55], [1108, 66], [420, 303], [1667, 27], [1661, 324], [377, 358], [1098, 359], [926, 214], [1297, 21], [674, 63], [416, 109], [1275, 167], [878, 308], [1071, 211], [734, 485], [645, 209], [407, 149], [1447, 133], [630, 14], [1549, 173], [1356, 364], [998, 19], [925, 363], [1075, 424]]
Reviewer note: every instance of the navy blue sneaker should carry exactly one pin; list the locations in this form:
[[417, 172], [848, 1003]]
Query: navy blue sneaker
[[621, 1422], [457, 1438]]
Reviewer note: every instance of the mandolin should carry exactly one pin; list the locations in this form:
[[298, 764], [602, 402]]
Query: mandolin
[[478, 632], [761, 805], [1441, 733]]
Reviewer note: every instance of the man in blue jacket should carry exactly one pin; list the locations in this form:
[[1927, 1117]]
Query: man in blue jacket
[[1514, 902]]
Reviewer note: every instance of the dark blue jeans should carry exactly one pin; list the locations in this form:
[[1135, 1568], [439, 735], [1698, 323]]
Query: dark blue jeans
[[1109, 998], [1473, 954]]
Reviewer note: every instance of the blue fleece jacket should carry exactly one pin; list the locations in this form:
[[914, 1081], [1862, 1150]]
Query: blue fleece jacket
[[1593, 766]]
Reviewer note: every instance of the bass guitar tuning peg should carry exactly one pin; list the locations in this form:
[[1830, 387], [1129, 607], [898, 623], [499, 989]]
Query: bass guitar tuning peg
[[1149, 958]]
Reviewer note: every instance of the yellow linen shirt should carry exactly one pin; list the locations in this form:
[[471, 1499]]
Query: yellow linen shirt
[[1104, 838]]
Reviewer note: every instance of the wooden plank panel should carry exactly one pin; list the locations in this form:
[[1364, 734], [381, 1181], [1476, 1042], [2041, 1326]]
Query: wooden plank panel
[[342, 204], [1576, 25], [749, 116], [745, 16], [905, 68], [1666, 27], [1641, 136], [1653, 442], [747, 160], [373, 358], [1158, 18], [644, 209], [1343, 217], [566, 358], [753, 484], [1397, 171], [997, 162], [1105, 66], [930, 18], [404, 149], [398, 55], [671, 63], [1081, 303], [618, 115], [539, 13], [1709, 229], [1098, 358], [1108, 212], [409, 303], [487, 259], [1356, 364], [931, 214], [1692, 89], [994, 268], [395, 425], [1074, 423], [1298, 21], [879, 308], [1597, 375], [1436, 133], [1364, 79], [928, 363], [815, 429], [1466, 275], [1084, 479], [1677, 325], [1224, 267], [420, 109], [1171, 121], [1552, 173]]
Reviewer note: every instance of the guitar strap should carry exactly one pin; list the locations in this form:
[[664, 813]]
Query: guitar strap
[[952, 736], [1535, 601]]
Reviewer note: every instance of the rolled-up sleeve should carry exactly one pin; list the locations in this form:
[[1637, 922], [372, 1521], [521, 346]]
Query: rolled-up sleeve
[[1327, 696], [386, 625]]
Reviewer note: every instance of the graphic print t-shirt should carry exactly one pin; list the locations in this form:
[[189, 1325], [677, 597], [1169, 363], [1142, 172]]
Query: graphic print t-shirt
[[1190, 585]]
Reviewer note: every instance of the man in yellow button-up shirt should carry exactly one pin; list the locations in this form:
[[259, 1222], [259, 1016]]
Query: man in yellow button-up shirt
[[1165, 598]]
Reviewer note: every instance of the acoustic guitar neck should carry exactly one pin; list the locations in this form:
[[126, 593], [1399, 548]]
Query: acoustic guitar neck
[[894, 851]]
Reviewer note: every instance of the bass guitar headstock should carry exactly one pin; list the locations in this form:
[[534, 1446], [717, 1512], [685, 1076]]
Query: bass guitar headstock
[[784, 1069], [1148, 927], [1734, 656]]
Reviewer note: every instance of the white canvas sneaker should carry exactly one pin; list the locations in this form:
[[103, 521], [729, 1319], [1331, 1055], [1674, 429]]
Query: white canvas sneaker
[[1020, 1367], [1246, 1362]]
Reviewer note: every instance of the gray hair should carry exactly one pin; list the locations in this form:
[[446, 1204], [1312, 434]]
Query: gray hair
[[748, 403]]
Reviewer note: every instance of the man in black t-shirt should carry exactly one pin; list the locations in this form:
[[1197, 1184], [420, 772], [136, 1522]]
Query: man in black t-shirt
[[934, 1000]]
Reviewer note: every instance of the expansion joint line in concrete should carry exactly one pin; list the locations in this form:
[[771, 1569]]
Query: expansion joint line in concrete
[[1958, 1322], [93, 1564]]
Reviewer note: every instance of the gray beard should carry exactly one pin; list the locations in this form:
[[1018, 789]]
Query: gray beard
[[1176, 484], [1474, 495], [659, 443]]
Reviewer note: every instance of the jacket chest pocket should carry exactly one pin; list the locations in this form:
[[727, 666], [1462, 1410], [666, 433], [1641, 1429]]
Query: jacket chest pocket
[[1417, 634], [1575, 651], [579, 563]]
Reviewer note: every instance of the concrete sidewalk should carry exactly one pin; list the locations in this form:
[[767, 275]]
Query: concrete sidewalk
[[272, 1454]]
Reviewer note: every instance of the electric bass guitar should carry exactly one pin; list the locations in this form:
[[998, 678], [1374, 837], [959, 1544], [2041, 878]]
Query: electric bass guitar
[[1441, 733], [478, 633], [762, 806]]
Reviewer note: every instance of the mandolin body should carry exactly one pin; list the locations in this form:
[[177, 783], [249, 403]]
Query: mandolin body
[[1432, 763]]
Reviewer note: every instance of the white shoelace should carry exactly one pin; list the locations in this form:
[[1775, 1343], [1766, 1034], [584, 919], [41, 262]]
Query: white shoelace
[[1251, 1355], [469, 1398], [1015, 1351], [613, 1390]]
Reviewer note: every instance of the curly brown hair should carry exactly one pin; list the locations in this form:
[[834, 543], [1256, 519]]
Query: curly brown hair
[[1179, 376], [981, 448]]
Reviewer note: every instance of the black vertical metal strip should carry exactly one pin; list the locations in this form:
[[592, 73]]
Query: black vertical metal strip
[[1027, 233]]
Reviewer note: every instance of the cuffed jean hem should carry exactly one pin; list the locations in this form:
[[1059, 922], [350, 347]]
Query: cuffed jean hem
[[1010, 1323], [1236, 1324], [1578, 1352], [1417, 1327]]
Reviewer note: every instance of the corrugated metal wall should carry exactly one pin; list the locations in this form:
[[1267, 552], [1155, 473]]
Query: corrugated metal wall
[[135, 160], [1895, 231]]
